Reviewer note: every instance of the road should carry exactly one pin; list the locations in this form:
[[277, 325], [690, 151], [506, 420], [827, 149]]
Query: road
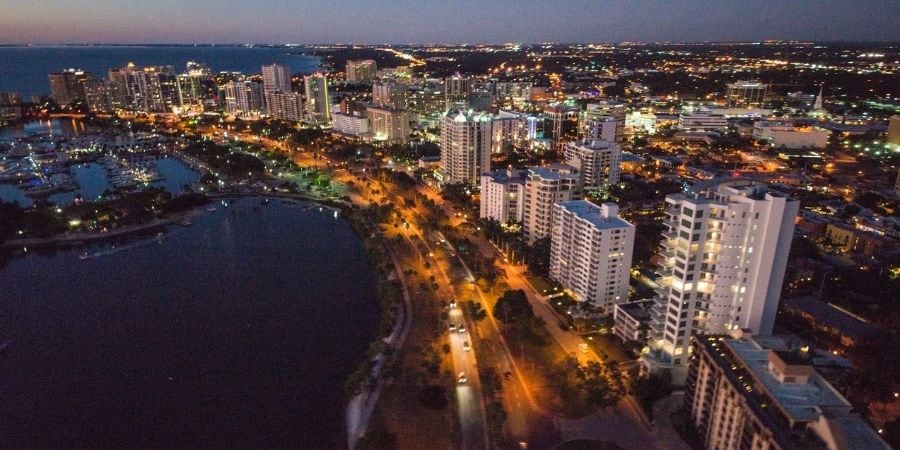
[[624, 424]]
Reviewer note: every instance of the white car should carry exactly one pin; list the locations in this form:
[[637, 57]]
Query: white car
[[583, 347], [452, 326], [462, 328], [466, 346], [462, 379]]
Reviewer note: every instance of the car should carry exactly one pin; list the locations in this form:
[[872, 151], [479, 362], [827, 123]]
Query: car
[[583, 347], [466, 346], [462, 379], [452, 304], [452, 326], [461, 329], [507, 375]]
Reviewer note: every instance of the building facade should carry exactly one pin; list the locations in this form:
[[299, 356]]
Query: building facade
[[747, 393], [746, 94], [590, 252], [465, 146], [285, 105], [68, 85], [388, 125], [318, 101], [599, 162], [545, 186], [276, 78], [389, 94], [361, 70], [502, 196], [243, 98], [721, 266]]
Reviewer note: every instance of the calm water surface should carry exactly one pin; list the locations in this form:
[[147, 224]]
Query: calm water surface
[[237, 331]]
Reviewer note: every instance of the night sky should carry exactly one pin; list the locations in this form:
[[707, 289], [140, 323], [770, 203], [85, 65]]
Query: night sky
[[451, 21]]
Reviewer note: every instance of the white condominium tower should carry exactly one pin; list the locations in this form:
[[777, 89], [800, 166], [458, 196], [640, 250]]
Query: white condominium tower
[[722, 263], [318, 103], [590, 252], [598, 161], [465, 146], [545, 186], [502, 197], [276, 79]]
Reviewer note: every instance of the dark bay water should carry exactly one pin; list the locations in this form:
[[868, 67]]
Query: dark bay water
[[238, 331], [24, 69]]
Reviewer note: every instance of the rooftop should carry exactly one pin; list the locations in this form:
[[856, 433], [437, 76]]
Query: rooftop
[[601, 216], [832, 317]]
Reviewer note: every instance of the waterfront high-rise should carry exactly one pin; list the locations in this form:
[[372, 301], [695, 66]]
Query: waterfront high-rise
[[545, 186], [361, 70], [243, 98], [590, 252], [68, 86], [465, 146], [276, 78], [152, 89], [722, 263], [318, 101], [285, 105], [598, 161]]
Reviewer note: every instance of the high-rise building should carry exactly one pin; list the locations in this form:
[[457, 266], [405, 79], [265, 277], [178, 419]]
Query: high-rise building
[[590, 252], [96, 93], [561, 124], [721, 267], [351, 123], [244, 98], [426, 103], [285, 105], [67, 86], [465, 146], [276, 78], [162, 89], [510, 94], [760, 394], [457, 90], [389, 94], [599, 162], [196, 87], [893, 132], [143, 90], [545, 186], [746, 94], [604, 121], [318, 101], [389, 126], [361, 70], [502, 196]]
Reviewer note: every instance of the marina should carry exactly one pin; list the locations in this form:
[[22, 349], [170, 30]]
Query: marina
[[42, 161]]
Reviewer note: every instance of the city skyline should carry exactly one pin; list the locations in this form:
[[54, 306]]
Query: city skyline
[[384, 22]]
